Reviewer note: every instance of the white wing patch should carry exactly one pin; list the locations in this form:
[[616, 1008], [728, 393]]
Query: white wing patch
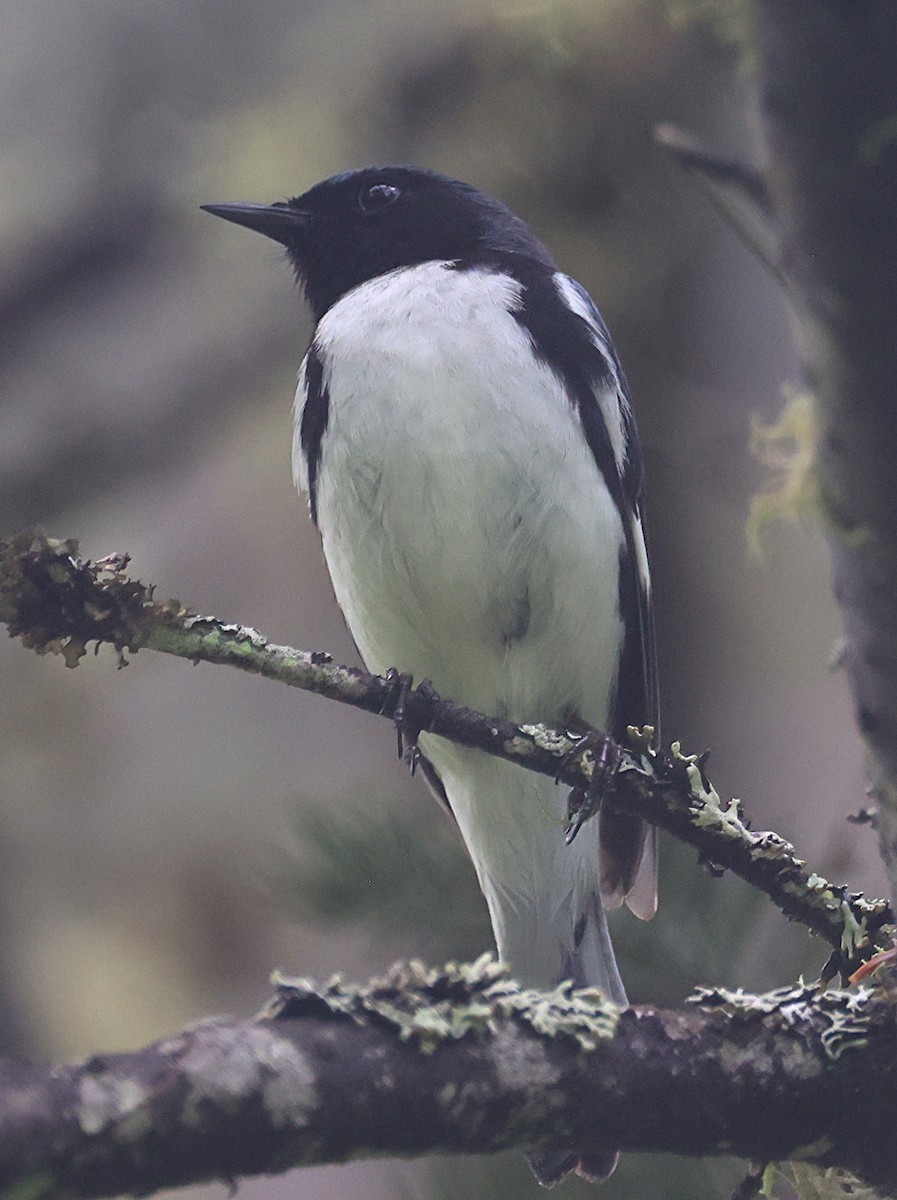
[[609, 399], [641, 554], [300, 466]]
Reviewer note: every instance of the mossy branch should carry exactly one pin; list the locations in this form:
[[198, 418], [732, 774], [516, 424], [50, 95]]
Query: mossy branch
[[57, 602], [460, 1060]]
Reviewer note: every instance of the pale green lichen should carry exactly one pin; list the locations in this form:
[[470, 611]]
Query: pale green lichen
[[233, 1062], [640, 739], [811, 1182], [787, 448], [842, 1019], [709, 812], [429, 1006], [105, 1099], [521, 1063], [641, 754], [552, 741], [707, 807], [771, 845], [822, 1145], [855, 932]]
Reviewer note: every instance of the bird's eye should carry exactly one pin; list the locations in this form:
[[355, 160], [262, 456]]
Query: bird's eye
[[378, 196]]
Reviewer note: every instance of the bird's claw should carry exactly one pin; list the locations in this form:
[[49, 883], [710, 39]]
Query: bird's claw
[[400, 684], [408, 729], [584, 802], [579, 809]]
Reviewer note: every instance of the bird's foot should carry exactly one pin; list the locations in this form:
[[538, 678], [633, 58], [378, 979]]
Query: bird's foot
[[401, 684], [583, 802], [408, 726]]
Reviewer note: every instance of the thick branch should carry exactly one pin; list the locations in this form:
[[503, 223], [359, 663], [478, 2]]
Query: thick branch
[[460, 1061], [55, 602], [827, 76]]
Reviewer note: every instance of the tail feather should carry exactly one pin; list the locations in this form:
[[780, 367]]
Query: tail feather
[[590, 963], [544, 897], [550, 1166]]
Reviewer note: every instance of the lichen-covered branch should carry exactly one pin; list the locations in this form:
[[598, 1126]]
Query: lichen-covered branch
[[460, 1060], [827, 75], [56, 602]]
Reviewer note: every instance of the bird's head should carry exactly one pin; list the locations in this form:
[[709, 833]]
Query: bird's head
[[353, 227]]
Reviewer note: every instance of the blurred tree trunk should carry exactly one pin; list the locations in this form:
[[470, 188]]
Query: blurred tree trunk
[[828, 88]]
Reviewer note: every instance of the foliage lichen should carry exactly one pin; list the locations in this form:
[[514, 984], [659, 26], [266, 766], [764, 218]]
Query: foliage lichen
[[429, 1006]]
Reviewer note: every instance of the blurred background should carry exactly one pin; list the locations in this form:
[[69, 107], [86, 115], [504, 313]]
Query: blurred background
[[169, 834]]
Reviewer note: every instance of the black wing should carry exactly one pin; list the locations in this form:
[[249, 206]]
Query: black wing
[[583, 354], [312, 422], [637, 693]]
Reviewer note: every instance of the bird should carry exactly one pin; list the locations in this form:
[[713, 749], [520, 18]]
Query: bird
[[464, 432]]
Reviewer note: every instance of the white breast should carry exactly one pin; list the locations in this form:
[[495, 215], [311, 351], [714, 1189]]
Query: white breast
[[467, 530]]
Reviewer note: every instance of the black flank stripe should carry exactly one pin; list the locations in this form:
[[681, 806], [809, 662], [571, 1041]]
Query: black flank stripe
[[633, 703], [313, 424]]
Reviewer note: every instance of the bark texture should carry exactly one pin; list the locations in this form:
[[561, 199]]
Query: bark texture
[[461, 1060], [828, 88]]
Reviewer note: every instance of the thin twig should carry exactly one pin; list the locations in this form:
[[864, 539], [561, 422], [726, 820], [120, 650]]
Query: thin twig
[[737, 190], [57, 603]]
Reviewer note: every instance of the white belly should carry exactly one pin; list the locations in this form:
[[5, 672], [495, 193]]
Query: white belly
[[462, 514]]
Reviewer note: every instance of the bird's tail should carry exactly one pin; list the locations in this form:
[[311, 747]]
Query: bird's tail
[[591, 963], [544, 896]]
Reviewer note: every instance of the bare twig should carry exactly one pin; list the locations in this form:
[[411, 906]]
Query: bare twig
[[57, 602], [737, 189]]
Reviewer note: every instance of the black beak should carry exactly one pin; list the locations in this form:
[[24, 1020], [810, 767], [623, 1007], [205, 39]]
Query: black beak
[[277, 221]]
